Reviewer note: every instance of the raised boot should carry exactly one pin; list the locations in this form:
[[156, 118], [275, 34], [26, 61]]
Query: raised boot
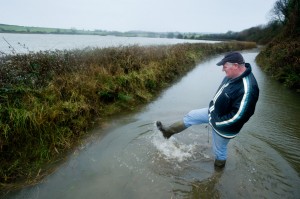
[[171, 130], [219, 164]]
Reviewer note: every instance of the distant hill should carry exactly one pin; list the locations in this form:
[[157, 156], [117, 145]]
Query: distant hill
[[5, 28]]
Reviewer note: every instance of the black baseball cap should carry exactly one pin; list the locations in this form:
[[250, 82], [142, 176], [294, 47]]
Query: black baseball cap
[[232, 57]]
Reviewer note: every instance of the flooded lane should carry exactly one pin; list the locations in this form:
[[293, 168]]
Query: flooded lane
[[132, 160]]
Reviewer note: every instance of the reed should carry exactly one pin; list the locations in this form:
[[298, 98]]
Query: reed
[[50, 100]]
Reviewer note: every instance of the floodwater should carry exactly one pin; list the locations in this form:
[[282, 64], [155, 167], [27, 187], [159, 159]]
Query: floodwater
[[24, 43], [129, 158]]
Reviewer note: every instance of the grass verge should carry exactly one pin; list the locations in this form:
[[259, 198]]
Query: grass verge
[[281, 60]]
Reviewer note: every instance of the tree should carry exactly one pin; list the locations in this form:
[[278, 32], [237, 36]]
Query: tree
[[179, 36], [280, 10], [287, 10], [170, 35]]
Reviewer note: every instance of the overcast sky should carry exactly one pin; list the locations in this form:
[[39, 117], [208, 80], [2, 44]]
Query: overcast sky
[[216, 16]]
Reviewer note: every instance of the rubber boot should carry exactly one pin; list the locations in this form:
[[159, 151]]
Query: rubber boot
[[219, 164], [171, 130]]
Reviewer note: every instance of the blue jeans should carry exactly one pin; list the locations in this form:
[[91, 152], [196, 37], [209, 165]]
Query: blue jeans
[[200, 116]]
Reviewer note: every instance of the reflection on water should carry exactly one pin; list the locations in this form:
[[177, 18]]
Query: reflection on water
[[133, 160]]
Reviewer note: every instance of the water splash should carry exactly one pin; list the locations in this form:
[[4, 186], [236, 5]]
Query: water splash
[[171, 149]]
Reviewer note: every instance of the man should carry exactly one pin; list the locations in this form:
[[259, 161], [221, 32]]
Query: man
[[231, 107]]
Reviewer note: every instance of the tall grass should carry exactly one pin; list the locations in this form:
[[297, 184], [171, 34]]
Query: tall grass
[[49, 100]]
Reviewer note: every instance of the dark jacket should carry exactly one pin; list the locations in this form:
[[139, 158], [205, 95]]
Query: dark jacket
[[233, 104]]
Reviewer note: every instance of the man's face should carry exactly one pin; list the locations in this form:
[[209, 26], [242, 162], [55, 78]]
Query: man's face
[[230, 69]]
